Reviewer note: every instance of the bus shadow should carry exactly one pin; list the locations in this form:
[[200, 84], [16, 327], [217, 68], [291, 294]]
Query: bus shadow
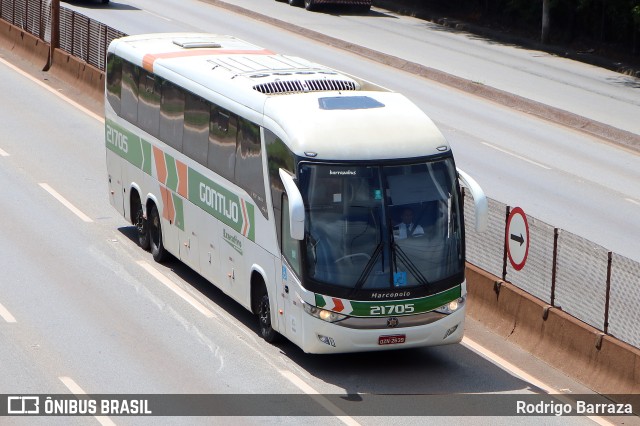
[[450, 369], [97, 4]]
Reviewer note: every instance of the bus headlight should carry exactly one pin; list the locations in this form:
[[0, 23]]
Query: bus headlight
[[323, 314], [451, 307]]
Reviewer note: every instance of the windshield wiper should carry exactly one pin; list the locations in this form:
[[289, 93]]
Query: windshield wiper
[[411, 267], [368, 267]]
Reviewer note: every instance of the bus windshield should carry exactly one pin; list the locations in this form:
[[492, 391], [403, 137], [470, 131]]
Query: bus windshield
[[375, 227]]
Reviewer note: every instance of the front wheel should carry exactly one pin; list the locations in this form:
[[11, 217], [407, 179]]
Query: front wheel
[[310, 5], [155, 233], [295, 2], [264, 318]]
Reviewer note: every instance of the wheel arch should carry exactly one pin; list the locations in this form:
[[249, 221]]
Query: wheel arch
[[258, 286]]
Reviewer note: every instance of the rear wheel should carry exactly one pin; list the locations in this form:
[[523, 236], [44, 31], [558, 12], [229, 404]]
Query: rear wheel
[[310, 4], [155, 234], [295, 2], [138, 219]]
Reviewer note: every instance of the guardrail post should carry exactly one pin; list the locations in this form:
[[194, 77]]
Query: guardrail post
[[55, 32], [504, 239], [554, 266], [607, 295]]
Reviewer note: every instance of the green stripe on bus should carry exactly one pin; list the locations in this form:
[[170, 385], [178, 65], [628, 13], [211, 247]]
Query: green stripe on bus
[[386, 308], [222, 204], [172, 172], [179, 207], [128, 146]]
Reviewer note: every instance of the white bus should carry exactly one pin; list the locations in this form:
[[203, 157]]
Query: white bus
[[286, 183]]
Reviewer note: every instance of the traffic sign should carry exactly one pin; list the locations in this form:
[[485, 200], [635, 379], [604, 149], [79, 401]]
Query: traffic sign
[[517, 238]]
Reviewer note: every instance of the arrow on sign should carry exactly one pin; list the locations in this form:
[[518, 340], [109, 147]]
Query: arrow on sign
[[518, 239]]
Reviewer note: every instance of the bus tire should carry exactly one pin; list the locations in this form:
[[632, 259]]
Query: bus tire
[[155, 236], [140, 222], [310, 5], [264, 318], [295, 2]]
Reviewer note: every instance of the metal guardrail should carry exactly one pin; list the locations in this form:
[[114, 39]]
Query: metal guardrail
[[597, 286], [85, 38]]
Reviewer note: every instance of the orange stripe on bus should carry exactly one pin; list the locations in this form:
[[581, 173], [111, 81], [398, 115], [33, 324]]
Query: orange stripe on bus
[[182, 178], [245, 228], [161, 166], [150, 58], [168, 212]]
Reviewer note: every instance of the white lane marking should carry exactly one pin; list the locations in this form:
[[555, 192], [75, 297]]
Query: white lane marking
[[65, 202], [156, 15], [52, 90], [631, 200], [519, 157], [516, 371], [77, 390], [304, 387], [3, 153], [176, 289], [6, 315]]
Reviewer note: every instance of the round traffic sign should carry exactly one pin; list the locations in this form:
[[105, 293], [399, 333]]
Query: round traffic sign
[[517, 238]]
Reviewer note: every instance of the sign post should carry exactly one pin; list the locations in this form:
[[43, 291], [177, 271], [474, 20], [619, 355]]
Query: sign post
[[517, 238]]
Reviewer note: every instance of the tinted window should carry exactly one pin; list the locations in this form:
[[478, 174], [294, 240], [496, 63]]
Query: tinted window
[[114, 81], [195, 138], [223, 130], [172, 115], [149, 102], [129, 106], [249, 162]]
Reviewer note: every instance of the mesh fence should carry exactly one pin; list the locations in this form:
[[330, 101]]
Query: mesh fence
[[624, 299], [85, 38], [581, 280], [536, 275], [485, 250], [33, 16]]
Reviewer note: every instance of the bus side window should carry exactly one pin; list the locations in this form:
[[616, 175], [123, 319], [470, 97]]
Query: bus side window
[[172, 115], [223, 128], [114, 81], [249, 174], [149, 105], [129, 99], [196, 128]]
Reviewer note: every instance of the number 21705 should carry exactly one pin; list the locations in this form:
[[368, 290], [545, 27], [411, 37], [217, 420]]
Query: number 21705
[[392, 309]]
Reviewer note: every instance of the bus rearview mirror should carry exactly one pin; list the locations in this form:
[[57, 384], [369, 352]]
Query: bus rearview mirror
[[296, 206], [479, 200]]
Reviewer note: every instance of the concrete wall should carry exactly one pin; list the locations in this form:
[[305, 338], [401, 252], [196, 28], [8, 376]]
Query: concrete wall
[[601, 362], [24, 44]]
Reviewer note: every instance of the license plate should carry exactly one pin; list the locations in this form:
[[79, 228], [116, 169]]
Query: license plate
[[392, 340]]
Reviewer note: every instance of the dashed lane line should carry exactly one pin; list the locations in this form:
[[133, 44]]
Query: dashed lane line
[[65, 202]]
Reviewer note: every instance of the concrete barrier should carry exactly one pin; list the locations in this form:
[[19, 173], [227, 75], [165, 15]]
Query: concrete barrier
[[603, 363], [24, 44], [78, 73]]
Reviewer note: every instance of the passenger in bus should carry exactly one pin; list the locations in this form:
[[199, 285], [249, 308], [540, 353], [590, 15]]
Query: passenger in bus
[[407, 228]]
